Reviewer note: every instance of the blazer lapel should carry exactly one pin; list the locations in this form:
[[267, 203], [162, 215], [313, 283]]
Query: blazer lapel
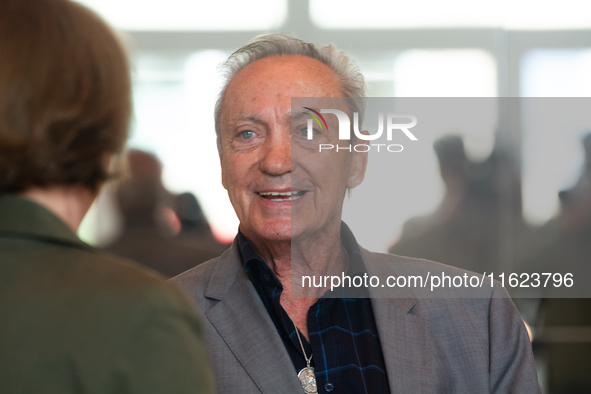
[[244, 324], [405, 337]]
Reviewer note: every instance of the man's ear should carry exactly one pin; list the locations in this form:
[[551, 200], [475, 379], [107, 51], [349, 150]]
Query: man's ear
[[358, 167]]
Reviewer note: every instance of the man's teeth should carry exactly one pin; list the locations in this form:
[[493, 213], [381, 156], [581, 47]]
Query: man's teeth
[[285, 196], [277, 194]]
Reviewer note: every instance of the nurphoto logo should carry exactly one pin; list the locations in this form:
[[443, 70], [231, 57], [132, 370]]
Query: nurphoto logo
[[392, 124]]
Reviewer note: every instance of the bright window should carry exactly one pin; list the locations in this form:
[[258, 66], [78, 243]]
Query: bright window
[[192, 15], [552, 155], [509, 14]]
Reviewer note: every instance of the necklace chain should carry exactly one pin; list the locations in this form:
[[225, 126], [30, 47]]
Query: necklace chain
[[301, 344]]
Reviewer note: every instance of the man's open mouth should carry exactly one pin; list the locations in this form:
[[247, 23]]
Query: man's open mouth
[[285, 196]]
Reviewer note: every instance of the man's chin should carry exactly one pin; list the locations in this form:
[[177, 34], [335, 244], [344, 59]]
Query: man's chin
[[278, 231]]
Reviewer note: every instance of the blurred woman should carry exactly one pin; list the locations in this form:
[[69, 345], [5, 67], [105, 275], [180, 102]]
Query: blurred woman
[[71, 319]]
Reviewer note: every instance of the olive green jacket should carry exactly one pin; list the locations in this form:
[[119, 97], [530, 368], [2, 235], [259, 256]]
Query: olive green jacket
[[76, 321]]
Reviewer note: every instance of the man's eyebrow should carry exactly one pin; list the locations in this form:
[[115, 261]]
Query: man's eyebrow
[[296, 115], [247, 118], [256, 119]]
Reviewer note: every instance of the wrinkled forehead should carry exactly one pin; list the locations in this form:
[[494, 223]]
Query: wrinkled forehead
[[299, 108], [266, 86]]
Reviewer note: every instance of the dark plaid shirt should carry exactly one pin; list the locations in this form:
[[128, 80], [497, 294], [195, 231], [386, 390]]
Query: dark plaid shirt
[[343, 335]]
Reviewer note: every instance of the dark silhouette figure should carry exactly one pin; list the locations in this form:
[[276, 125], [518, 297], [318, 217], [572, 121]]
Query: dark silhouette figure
[[195, 230], [146, 238], [564, 324], [468, 230]]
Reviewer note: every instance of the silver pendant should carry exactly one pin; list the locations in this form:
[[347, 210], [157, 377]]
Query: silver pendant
[[308, 380]]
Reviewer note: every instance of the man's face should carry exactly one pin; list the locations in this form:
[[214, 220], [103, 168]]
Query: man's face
[[272, 175]]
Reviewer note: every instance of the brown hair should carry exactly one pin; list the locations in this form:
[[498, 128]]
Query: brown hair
[[65, 95]]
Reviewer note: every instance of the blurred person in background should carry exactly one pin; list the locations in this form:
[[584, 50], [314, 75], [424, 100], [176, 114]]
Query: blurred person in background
[[150, 225], [195, 229], [563, 335], [465, 230], [71, 319]]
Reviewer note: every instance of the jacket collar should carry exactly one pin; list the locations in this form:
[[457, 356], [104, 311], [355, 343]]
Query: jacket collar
[[225, 272], [23, 218]]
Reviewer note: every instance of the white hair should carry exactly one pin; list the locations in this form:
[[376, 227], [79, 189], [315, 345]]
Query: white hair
[[264, 45]]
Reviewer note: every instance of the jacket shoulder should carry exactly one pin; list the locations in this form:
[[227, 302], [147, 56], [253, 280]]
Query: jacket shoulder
[[415, 264], [438, 289], [112, 313]]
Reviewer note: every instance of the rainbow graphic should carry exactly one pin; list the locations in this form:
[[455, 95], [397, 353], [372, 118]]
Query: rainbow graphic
[[316, 118]]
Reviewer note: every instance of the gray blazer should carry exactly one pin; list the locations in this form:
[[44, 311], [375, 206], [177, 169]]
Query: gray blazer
[[475, 345]]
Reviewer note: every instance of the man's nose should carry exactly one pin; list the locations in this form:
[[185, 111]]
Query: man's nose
[[277, 154]]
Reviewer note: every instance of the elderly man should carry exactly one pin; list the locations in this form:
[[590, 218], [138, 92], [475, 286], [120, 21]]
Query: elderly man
[[289, 201]]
